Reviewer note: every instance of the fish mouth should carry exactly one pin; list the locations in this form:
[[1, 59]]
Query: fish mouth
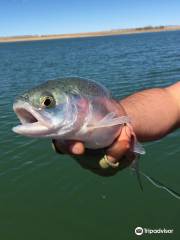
[[33, 123]]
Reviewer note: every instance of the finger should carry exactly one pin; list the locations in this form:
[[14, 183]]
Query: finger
[[118, 150], [76, 148], [121, 151], [68, 147], [121, 146], [124, 156]]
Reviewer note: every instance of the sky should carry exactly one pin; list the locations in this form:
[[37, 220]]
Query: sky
[[31, 17]]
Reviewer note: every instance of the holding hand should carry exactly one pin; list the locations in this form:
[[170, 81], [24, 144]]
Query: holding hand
[[103, 162]]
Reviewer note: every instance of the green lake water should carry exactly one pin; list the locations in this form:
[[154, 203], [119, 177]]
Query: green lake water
[[48, 196]]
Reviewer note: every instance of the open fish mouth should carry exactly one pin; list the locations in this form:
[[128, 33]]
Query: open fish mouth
[[32, 121]]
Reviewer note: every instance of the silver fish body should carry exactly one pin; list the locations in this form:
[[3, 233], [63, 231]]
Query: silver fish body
[[70, 109]]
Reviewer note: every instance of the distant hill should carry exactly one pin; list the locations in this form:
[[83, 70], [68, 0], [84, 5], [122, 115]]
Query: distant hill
[[90, 34]]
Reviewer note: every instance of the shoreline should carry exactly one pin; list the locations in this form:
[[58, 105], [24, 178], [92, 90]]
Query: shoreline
[[89, 34]]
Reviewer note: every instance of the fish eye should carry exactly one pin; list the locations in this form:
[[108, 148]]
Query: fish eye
[[47, 101]]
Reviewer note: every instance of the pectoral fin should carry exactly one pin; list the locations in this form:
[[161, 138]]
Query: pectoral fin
[[110, 120]]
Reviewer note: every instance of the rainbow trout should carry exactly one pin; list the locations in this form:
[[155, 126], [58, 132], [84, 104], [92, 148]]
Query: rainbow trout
[[71, 109]]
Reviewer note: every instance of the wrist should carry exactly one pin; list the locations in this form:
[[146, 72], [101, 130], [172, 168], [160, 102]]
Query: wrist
[[131, 112]]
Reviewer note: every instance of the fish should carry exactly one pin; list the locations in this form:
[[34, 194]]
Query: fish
[[71, 109], [79, 109]]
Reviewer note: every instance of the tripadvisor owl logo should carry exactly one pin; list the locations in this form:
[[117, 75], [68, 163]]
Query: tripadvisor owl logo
[[138, 231]]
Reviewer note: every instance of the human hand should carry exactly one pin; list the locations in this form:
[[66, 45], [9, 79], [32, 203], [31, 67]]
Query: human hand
[[105, 162]]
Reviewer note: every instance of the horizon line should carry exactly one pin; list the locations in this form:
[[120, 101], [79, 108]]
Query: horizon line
[[119, 31]]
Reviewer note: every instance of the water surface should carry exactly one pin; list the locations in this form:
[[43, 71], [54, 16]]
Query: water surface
[[46, 196]]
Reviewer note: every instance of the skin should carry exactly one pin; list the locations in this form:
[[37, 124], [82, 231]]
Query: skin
[[154, 114]]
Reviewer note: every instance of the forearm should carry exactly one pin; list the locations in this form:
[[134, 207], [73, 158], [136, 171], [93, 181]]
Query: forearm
[[154, 112]]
